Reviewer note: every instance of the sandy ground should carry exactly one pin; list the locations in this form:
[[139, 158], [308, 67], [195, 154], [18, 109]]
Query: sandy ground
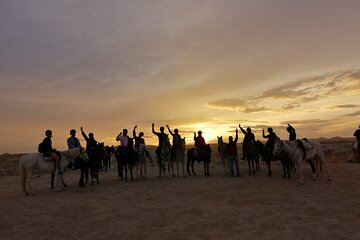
[[198, 207]]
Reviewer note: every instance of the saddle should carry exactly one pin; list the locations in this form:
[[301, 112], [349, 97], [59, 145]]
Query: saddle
[[307, 147], [47, 158]]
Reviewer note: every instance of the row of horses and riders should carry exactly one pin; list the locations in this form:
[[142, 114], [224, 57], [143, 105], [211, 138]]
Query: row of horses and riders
[[132, 151]]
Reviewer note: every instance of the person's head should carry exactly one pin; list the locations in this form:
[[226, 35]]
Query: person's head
[[72, 132], [162, 129], [270, 130], [199, 133], [125, 132], [248, 130], [141, 134], [230, 138], [91, 135], [176, 130], [48, 133]]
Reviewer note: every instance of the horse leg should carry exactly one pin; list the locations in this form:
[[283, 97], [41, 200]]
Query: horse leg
[[301, 172], [192, 166], [205, 169], [208, 168], [52, 180], [188, 166], [248, 160], [268, 163], [182, 166], [253, 165], [131, 172], [82, 173]]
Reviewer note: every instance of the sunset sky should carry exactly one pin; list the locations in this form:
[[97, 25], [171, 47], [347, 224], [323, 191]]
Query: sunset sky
[[193, 64]]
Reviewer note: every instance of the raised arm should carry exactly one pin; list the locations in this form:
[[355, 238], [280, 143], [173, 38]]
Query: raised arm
[[172, 134], [83, 134], [153, 129], [242, 130], [134, 131], [236, 135], [118, 137], [264, 134]]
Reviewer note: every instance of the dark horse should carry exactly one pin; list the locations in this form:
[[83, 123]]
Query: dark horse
[[267, 156], [126, 158], [204, 156], [249, 154], [85, 165]]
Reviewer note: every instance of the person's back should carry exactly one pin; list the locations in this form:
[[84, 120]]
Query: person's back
[[199, 140], [161, 135], [48, 150], [292, 132], [91, 143], [269, 145]]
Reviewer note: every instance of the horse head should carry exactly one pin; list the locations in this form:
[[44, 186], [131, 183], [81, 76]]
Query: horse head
[[278, 146]]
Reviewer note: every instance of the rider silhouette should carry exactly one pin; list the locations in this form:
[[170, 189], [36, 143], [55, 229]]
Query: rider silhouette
[[48, 150], [249, 138], [292, 133], [161, 135], [269, 145], [199, 143], [123, 138], [139, 140], [176, 139], [73, 142]]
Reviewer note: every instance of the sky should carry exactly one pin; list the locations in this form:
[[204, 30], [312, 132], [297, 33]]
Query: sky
[[192, 64]]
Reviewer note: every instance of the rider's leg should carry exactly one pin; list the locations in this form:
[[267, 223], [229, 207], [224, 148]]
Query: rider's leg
[[57, 162]]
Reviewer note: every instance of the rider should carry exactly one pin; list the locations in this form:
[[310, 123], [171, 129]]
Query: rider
[[176, 139], [91, 145], [357, 135], [161, 136], [269, 145], [199, 143], [73, 142], [249, 138], [124, 139], [49, 151], [139, 140], [292, 133], [233, 154]]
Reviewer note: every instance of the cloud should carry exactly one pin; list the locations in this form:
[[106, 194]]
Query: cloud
[[300, 92], [344, 106]]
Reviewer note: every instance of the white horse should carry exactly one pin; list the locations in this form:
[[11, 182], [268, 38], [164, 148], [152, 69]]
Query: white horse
[[223, 154], [35, 161], [141, 161], [296, 153], [165, 153], [179, 157], [355, 149]]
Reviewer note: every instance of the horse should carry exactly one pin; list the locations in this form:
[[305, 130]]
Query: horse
[[107, 159], [355, 148], [95, 162], [125, 158], [267, 156], [178, 156], [297, 154], [204, 156], [35, 161], [141, 158], [258, 146], [165, 153], [223, 153], [249, 153]]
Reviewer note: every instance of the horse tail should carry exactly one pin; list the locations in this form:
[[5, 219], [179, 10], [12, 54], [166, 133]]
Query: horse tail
[[23, 175]]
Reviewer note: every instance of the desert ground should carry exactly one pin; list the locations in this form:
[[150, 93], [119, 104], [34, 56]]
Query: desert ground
[[196, 207]]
